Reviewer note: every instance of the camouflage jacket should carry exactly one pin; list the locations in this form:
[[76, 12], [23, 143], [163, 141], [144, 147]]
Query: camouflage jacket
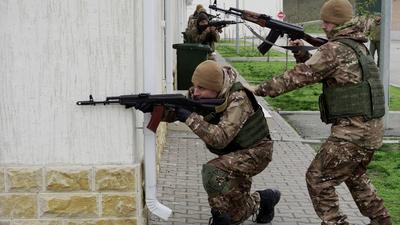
[[337, 65], [206, 37], [238, 110]]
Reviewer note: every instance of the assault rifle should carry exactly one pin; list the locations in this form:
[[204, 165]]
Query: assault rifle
[[159, 103], [278, 28], [221, 23]]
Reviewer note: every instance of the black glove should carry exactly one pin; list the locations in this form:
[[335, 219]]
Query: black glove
[[182, 114], [144, 107]]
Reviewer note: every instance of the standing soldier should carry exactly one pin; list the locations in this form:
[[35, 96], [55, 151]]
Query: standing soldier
[[374, 35], [352, 100], [238, 133]]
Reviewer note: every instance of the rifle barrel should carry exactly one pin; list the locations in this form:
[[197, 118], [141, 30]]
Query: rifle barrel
[[214, 7]]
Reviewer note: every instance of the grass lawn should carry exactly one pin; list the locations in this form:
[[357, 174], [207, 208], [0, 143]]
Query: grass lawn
[[394, 93], [305, 98], [244, 51], [301, 99], [313, 28], [384, 172]]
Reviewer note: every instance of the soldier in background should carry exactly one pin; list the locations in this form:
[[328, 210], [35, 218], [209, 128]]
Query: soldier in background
[[238, 134], [202, 33], [374, 35], [192, 18], [352, 100]]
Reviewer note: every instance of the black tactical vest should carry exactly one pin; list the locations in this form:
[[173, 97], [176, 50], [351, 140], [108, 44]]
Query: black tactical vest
[[254, 129], [364, 99]]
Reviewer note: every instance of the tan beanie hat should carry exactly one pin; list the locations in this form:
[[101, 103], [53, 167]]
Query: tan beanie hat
[[337, 11], [209, 75]]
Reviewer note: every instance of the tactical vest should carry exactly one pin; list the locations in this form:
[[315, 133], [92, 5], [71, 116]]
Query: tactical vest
[[254, 129], [364, 99]]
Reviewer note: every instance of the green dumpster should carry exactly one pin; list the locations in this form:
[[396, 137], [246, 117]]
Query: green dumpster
[[189, 55]]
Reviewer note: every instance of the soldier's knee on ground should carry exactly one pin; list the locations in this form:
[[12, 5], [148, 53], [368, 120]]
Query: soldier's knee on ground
[[215, 181]]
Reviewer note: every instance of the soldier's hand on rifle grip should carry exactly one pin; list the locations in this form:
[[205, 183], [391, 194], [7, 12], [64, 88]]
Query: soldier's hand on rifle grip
[[297, 42], [144, 107], [182, 114]]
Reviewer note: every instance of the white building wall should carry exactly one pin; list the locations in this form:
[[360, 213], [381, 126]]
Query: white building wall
[[54, 53]]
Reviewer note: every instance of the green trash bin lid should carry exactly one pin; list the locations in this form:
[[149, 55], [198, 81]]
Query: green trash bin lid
[[192, 46]]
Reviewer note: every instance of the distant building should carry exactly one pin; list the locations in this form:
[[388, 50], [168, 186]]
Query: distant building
[[298, 11]]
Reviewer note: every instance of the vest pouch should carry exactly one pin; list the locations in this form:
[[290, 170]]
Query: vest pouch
[[253, 130], [348, 101], [377, 98], [322, 109]]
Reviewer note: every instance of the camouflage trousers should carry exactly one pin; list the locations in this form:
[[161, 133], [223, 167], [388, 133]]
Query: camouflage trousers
[[234, 175], [341, 161]]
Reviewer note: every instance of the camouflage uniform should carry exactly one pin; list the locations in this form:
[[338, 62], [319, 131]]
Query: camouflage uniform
[[348, 150], [374, 35], [237, 167], [203, 37]]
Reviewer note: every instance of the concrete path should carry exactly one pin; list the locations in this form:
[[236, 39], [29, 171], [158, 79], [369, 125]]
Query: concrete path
[[395, 63], [180, 185], [309, 125]]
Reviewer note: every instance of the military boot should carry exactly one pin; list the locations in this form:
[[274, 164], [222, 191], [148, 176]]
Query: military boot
[[219, 218], [269, 198]]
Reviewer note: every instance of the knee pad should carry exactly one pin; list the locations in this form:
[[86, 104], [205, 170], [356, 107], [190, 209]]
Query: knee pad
[[215, 181]]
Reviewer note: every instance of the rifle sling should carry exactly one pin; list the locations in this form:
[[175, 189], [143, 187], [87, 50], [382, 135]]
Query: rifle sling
[[291, 48]]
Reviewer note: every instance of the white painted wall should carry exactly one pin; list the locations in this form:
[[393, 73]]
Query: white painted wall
[[54, 53]]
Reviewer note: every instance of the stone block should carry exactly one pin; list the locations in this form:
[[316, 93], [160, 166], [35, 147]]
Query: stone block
[[116, 179], [104, 222], [2, 185], [24, 179], [68, 205], [61, 180], [5, 222], [18, 206], [37, 222], [119, 205]]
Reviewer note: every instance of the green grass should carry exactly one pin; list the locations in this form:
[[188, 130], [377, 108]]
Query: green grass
[[384, 171], [394, 93], [313, 28], [244, 51], [305, 98]]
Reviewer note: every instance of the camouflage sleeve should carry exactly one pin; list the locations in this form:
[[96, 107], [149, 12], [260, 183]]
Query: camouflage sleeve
[[192, 34], [320, 66], [203, 36], [215, 36], [220, 135]]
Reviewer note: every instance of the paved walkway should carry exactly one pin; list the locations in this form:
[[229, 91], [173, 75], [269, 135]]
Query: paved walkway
[[180, 186]]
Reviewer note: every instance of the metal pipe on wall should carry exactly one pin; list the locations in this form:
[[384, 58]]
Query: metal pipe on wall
[[149, 53]]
